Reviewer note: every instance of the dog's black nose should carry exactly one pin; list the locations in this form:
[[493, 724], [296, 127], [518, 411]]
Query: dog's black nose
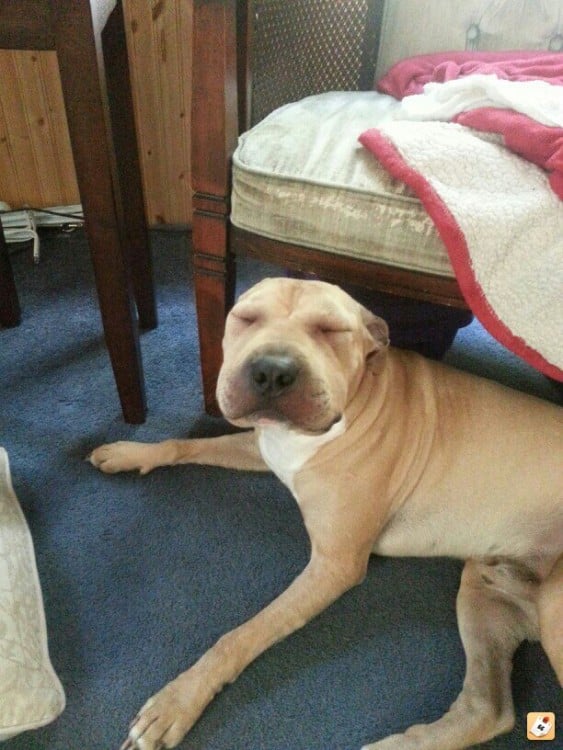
[[272, 374]]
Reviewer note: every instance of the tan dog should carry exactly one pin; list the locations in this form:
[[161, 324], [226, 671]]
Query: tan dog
[[387, 453]]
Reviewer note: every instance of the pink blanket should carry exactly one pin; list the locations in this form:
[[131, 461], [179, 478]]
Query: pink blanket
[[540, 144], [409, 76]]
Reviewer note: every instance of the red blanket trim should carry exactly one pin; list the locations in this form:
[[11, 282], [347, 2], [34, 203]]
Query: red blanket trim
[[456, 245]]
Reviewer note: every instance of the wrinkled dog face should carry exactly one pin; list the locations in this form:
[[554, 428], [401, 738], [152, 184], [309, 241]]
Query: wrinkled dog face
[[295, 352]]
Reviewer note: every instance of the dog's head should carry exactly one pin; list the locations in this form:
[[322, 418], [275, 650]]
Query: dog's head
[[295, 352]]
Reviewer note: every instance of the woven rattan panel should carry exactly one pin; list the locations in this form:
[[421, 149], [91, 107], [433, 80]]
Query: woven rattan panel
[[305, 47]]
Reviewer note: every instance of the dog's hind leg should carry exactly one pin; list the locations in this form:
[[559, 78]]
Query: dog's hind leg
[[550, 612], [496, 611]]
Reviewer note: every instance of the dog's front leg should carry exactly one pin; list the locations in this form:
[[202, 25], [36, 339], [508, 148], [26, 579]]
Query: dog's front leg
[[167, 716], [237, 451]]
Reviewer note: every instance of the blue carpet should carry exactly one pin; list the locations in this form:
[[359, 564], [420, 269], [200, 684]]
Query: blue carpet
[[141, 575]]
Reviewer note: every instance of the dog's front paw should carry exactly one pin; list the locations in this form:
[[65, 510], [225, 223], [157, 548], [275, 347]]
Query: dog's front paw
[[123, 456], [161, 723]]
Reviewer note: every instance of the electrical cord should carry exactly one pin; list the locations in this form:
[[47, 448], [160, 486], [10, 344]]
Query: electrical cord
[[74, 217], [31, 223]]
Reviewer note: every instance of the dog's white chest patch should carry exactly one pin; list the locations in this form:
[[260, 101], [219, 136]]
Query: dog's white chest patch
[[286, 451]]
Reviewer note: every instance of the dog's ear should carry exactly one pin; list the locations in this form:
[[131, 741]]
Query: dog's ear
[[378, 331]]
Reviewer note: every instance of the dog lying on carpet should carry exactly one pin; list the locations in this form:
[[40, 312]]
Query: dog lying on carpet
[[385, 453]]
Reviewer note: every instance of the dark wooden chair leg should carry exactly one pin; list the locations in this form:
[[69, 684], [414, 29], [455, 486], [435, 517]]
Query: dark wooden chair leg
[[214, 136], [136, 236], [214, 283], [10, 312], [79, 52]]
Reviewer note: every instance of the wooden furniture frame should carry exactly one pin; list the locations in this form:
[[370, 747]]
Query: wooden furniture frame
[[222, 71], [89, 39]]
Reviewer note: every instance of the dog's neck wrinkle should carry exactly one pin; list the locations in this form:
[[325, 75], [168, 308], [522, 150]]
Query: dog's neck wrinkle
[[409, 376], [372, 418], [372, 389]]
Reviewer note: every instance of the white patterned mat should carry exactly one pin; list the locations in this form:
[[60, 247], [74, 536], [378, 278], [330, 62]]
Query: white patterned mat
[[30, 692]]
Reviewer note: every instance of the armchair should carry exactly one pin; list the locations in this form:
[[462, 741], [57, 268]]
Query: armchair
[[299, 191]]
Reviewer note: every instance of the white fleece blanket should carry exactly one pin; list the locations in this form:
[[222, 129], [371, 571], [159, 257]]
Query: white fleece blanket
[[539, 100], [501, 223]]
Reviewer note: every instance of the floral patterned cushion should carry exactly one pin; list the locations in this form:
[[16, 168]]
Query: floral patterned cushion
[[301, 176]]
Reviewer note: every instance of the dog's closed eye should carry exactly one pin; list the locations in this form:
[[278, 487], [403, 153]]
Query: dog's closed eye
[[245, 315], [333, 331], [331, 327], [245, 319]]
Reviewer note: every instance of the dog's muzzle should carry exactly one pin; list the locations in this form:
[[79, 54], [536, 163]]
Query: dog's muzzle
[[276, 384]]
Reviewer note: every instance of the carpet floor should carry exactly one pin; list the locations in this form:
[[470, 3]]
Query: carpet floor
[[141, 575]]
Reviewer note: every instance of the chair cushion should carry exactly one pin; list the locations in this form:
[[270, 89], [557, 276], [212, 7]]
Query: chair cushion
[[30, 692], [300, 176]]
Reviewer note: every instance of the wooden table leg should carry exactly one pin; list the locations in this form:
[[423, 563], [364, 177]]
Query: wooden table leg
[[84, 87], [128, 166]]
